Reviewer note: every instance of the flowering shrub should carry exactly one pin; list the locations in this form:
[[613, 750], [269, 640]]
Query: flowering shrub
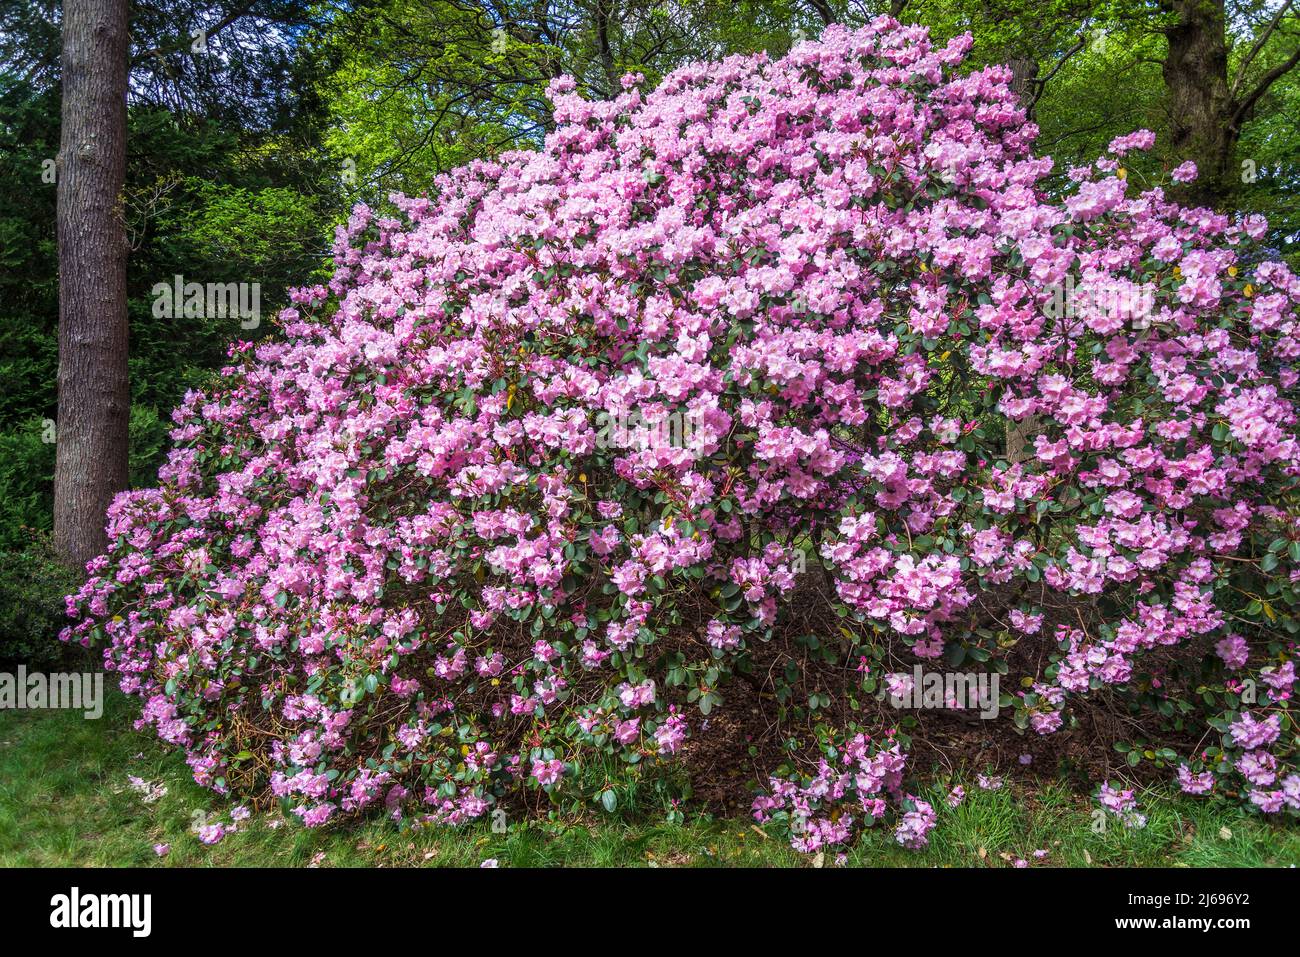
[[394, 562]]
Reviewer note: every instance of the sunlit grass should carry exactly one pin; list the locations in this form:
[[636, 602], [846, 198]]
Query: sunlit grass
[[65, 801]]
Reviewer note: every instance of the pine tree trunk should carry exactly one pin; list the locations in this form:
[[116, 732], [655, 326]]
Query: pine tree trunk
[[91, 458]]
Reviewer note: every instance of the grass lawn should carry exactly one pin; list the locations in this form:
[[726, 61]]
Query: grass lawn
[[65, 800]]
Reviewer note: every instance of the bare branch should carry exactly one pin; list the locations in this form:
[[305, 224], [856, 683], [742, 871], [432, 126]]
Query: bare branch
[[184, 43], [823, 9], [1242, 109], [1258, 45], [1040, 84]]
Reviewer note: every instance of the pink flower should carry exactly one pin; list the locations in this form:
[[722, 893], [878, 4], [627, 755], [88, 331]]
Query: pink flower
[[1029, 624], [625, 732], [670, 735], [1139, 140], [547, 772], [1234, 651], [915, 825], [1201, 783]]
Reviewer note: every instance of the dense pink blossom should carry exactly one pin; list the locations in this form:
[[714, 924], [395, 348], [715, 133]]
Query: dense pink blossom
[[396, 552]]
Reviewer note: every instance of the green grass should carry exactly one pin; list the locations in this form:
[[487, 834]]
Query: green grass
[[65, 801]]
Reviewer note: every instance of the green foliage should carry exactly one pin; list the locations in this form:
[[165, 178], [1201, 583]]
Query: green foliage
[[202, 202], [29, 303], [148, 442], [32, 586], [1269, 160], [26, 481], [419, 87]]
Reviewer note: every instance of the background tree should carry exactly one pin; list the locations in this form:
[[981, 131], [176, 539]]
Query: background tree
[[93, 388], [1200, 73], [421, 86], [225, 181], [1215, 84]]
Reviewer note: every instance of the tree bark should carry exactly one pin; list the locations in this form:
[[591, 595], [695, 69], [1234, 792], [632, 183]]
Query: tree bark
[[94, 395], [1024, 72], [823, 10], [1203, 127], [602, 13]]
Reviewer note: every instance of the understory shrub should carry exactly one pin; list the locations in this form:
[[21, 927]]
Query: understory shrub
[[26, 486], [33, 586], [707, 419]]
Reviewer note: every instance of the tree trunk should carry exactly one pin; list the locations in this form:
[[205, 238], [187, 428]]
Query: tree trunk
[[1201, 108], [602, 14], [1024, 72], [91, 453]]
